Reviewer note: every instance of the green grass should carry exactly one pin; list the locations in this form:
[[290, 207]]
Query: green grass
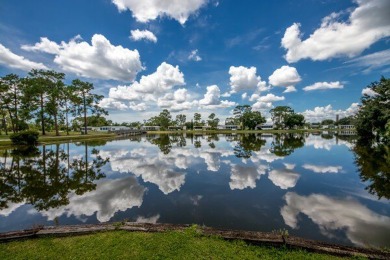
[[188, 244], [50, 137]]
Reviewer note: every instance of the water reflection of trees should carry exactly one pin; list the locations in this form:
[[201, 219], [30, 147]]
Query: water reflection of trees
[[46, 177], [248, 143], [373, 162], [283, 145]]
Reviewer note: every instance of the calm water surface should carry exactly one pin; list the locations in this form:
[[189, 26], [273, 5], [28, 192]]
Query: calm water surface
[[310, 185]]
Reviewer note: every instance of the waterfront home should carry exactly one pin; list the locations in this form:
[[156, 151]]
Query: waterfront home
[[228, 127], [150, 128], [202, 128], [265, 126], [106, 128], [346, 127]]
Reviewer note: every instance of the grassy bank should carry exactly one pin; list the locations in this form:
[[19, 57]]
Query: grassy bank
[[188, 244], [50, 137]]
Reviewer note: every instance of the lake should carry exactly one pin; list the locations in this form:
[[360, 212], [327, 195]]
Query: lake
[[313, 185]]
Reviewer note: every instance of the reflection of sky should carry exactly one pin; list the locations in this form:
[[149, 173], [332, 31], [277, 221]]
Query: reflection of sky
[[362, 226], [109, 197], [211, 186], [284, 177]]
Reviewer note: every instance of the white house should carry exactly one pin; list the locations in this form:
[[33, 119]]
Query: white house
[[265, 126], [228, 127], [150, 128], [346, 126], [106, 128]]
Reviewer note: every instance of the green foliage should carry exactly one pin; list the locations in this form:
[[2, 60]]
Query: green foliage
[[164, 119], [372, 120], [91, 121], [181, 119], [213, 121], [84, 101], [328, 122], [197, 118], [28, 137], [294, 120], [279, 115], [349, 120], [373, 165], [246, 117]]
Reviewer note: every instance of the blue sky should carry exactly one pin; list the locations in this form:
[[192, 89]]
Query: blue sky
[[204, 55]]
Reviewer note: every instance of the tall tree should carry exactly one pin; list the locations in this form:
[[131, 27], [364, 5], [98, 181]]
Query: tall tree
[[327, 122], [197, 118], [239, 111], [250, 119], [181, 119], [56, 89], [11, 88], [85, 101], [294, 120], [67, 105], [213, 121], [373, 117], [279, 115], [36, 95]]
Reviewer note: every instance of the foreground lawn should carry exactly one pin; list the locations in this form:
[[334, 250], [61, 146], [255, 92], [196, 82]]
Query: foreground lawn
[[138, 245]]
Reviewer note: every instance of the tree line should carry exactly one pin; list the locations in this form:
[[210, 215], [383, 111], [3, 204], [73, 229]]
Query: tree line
[[243, 116], [43, 100]]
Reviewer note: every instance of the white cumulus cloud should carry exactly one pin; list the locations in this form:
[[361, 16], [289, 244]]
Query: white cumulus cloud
[[212, 99], [12, 60], [147, 10], [243, 78], [367, 23], [149, 88], [320, 113], [285, 76], [369, 92], [100, 59], [138, 35], [324, 85]]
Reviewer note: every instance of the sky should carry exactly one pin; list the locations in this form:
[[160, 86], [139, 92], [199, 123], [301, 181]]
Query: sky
[[204, 56]]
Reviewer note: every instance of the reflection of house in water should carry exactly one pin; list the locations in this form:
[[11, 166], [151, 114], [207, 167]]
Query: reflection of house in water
[[347, 132], [266, 135]]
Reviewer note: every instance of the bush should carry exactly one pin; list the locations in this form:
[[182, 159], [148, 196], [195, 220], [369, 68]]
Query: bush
[[28, 137]]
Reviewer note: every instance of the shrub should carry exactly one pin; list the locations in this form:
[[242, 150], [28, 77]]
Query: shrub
[[28, 137]]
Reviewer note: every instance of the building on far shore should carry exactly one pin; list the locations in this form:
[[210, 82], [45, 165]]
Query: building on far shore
[[315, 125], [265, 126], [228, 127], [105, 128], [177, 128], [150, 128], [201, 128], [346, 127]]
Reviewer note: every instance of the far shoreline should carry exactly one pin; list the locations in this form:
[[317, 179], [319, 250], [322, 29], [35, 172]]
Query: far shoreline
[[5, 142]]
